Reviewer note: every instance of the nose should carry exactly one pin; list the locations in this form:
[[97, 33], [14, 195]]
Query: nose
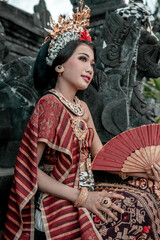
[[89, 69]]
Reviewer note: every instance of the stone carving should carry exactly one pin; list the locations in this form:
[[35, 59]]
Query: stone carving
[[156, 26], [17, 100], [148, 56], [120, 104]]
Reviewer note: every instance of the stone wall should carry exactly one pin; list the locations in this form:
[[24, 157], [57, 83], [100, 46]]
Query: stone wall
[[23, 31]]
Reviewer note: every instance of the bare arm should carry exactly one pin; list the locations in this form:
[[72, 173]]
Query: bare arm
[[96, 144], [49, 185]]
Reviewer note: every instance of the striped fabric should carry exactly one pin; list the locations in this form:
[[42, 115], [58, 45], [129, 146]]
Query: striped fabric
[[49, 123]]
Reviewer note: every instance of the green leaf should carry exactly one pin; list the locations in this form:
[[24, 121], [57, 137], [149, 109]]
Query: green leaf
[[152, 89], [157, 83], [157, 119], [147, 86]]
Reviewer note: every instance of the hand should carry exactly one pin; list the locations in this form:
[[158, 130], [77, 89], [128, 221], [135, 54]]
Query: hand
[[93, 204], [154, 172]]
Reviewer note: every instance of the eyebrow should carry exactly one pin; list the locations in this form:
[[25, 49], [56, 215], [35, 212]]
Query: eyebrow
[[86, 55]]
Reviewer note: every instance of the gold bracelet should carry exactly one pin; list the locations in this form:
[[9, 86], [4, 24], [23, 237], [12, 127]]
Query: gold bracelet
[[81, 198]]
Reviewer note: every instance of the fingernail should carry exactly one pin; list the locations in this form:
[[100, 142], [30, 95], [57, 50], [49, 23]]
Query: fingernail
[[123, 197], [116, 219], [122, 211]]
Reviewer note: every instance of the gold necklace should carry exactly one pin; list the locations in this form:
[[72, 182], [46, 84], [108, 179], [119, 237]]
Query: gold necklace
[[75, 107]]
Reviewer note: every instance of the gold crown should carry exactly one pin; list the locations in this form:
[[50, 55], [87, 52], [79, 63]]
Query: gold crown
[[66, 30], [66, 24]]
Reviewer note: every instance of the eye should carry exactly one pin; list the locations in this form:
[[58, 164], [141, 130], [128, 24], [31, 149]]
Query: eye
[[82, 58], [93, 65]]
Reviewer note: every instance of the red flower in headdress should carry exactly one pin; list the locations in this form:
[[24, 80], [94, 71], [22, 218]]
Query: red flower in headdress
[[85, 36]]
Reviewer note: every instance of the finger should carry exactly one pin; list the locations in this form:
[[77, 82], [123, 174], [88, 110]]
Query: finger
[[113, 195], [151, 177], [156, 167], [118, 209], [156, 170], [108, 212], [98, 214]]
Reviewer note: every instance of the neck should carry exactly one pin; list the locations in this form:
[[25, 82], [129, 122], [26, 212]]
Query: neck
[[68, 93]]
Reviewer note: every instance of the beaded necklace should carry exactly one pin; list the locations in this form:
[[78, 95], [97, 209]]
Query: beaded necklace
[[75, 107]]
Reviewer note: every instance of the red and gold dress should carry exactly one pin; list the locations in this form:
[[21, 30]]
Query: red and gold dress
[[67, 159]]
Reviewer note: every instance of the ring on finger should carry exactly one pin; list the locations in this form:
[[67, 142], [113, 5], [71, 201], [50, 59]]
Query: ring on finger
[[106, 202]]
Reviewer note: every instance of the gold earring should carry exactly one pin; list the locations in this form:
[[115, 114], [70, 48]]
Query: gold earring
[[59, 69]]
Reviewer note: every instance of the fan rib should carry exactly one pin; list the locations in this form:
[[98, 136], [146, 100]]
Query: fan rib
[[131, 151]]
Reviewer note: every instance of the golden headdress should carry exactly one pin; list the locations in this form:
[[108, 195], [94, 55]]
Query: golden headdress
[[67, 29]]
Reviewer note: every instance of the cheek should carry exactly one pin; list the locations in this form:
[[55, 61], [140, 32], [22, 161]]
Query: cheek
[[73, 64], [92, 75]]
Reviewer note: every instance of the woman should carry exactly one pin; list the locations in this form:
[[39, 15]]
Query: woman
[[60, 136]]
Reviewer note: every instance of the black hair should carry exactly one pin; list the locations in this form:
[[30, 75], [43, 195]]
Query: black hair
[[45, 75]]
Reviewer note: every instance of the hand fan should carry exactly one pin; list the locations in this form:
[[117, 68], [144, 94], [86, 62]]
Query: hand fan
[[131, 151]]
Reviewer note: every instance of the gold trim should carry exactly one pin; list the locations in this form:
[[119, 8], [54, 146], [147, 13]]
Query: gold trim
[[55, 147]]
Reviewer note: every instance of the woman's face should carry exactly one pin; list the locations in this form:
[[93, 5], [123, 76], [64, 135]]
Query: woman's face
[[79, 68]]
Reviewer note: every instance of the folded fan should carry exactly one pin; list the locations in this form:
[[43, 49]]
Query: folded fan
[[131, 151]]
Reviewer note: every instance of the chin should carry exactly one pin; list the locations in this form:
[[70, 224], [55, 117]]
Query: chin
[[83, 87]]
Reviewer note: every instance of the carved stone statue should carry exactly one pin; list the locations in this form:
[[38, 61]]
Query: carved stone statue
[[148, 56], [18, 98], [120, 104]]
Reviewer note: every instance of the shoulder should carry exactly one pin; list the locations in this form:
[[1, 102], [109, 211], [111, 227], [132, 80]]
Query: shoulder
[[84, 105], [48, 97], [47, 107], [50, 101], [86, 109]]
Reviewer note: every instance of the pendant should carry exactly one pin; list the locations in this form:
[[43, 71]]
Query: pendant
[[80, 128]]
